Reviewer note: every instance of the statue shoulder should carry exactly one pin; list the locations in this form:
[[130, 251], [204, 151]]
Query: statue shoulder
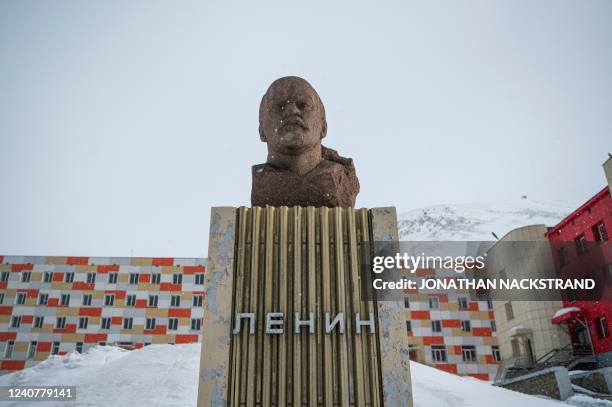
[[333, 156]]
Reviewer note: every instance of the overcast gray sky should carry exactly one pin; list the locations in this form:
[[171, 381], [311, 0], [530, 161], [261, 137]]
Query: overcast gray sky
[[123, 122]]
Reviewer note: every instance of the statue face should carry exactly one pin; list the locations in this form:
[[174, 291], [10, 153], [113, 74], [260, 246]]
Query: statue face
[[291, 118]]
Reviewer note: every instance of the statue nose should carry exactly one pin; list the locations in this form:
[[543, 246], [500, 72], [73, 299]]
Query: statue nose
[[291, 108]]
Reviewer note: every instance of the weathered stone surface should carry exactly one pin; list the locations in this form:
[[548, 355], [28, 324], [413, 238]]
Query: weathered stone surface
[[299, 171], [553, 382]]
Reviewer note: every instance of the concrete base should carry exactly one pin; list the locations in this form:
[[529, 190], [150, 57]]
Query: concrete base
[[599, 381], [554, 382], [271, 260]]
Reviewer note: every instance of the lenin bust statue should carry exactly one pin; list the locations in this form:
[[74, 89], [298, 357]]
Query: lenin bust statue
[[299, 170]]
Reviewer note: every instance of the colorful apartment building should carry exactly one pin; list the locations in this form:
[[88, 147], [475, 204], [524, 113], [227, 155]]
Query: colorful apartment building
[[451, 331], [579, 238], [54, 305]]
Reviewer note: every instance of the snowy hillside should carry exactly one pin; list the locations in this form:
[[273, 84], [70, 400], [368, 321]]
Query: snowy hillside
[[166, 375], [476, 221]]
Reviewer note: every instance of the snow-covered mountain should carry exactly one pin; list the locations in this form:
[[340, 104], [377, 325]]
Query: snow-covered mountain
[[167, 375], [477, 222]]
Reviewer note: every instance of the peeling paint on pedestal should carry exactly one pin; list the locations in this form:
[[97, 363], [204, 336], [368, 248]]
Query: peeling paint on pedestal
[[395, 361], [218, 282]]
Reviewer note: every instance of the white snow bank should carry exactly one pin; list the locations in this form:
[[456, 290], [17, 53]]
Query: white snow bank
[[166, 375]]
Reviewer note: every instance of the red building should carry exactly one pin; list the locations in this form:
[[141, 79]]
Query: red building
[[582, 248]]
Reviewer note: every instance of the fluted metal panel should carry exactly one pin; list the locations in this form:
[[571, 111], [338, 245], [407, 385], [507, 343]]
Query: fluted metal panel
[[302, 260]]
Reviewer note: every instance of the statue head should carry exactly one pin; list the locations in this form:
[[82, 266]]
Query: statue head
[[291, 117]]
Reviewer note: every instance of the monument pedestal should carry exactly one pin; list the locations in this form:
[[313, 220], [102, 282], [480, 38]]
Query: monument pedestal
[[285, 322]]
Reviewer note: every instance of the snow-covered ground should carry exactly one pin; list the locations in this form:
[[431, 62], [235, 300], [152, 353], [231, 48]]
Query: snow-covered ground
[[166, 375], [477, 222]]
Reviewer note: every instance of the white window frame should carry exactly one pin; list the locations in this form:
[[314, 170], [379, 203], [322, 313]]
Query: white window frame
[[175, 301], [150, 324], [468, 353], [198, 324], [199, 278], [172, 324], [105, 323], [20, 298], [436, 325], [439, 354], [177, 278], [134, 278], [130, 300]]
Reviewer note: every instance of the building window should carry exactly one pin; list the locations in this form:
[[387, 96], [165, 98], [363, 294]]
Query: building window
[[150, 323], [87, 299], [408, 326], [43, 299], [112, 278], [436, 326], [602, 327], [563, 256], [4, 276], [197, 300], [489, 304], [26, 276], [581, 247], [133, 278], [496, 354], [20, 299], [199, 278], [175, 301], [608, 273], [127, 323], [599, 231], [1, 298], [60, 322], [79, 347], [406, 302], [91, 278], [48, 276], [38, 322], [468, 353], [69, 277], [83, 321], [173, 324], [32, 350], [102, 343], [152, 300], [65, 299], [130, 300], [109, 300], [16, 321], [155, 278], [105, 323], [463, 303], [177, 278], [466, 326], [8, 353], [493, 326], [438, 353], [434, 303], [55, 349], [195, 324], [509, 311]]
